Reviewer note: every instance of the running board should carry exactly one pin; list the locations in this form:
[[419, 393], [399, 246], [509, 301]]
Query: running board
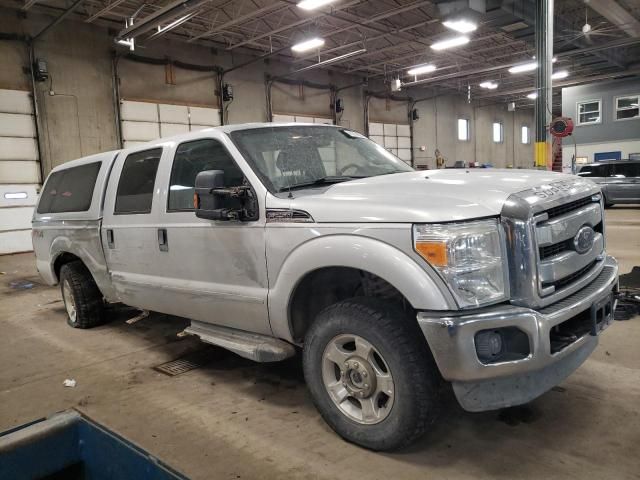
[[256, 347]]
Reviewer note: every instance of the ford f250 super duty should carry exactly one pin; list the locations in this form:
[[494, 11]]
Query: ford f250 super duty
[[392, 281]]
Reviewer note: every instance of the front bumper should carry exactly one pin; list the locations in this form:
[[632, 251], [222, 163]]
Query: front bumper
[[479, 386]]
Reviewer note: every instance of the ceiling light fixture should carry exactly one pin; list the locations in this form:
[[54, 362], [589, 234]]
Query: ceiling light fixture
[[491, 85], [462, 26], [532, 96], [450, 43], [308, 45], [560, 74], [524, 67], [313, 4], [419, 69]]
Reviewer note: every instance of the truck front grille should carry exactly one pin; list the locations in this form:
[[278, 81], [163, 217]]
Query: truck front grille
[[546, 263]]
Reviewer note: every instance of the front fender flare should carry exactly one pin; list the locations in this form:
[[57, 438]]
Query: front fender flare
[[421, 288]]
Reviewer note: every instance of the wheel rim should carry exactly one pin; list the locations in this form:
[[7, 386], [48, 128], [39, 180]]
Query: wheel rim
[[69, 302], [358, 379]]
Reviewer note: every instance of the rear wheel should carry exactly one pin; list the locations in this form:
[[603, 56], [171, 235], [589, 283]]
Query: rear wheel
[[371, 374], [82, 297]]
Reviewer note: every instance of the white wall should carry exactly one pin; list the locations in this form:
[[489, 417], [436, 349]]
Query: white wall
[[589, 149]]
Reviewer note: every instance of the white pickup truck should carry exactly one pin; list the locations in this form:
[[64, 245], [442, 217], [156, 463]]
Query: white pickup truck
[[392, 281]]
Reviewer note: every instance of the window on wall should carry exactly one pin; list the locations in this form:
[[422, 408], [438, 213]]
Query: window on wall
[[627, 107], [463, 129], [498, 132], [589, 112], [525, 135]]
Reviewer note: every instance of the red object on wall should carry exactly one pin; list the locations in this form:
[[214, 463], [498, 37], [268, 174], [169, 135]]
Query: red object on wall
[[561, 127]]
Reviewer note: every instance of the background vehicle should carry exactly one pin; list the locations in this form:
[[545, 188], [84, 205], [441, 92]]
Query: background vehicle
[[391, 280], [618, 179]]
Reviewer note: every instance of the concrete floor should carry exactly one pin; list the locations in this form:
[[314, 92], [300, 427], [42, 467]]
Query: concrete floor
[[236, 419]]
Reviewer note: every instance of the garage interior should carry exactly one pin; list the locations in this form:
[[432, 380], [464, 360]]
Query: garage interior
[[79, 77]]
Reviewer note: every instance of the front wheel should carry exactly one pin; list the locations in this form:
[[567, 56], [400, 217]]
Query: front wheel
[[371, 374]]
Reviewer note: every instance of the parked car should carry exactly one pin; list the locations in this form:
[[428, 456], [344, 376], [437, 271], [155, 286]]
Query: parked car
[[618, 179], [276, 237]]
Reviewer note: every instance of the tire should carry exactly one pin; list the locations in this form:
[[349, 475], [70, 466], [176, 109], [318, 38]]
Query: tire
[[396, 343], [82, 298]]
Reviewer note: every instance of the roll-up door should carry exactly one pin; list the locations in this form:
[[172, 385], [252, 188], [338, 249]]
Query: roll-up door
[[395, 137], [145, 121], [19, 170]]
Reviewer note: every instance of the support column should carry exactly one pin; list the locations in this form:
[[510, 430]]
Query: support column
[[544, 105]]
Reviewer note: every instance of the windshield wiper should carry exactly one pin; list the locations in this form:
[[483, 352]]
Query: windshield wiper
[[329, 180]]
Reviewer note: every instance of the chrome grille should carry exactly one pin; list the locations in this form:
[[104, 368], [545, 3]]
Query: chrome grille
[[541, 225]]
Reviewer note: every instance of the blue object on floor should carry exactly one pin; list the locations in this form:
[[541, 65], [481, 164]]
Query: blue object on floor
[[70, 446]]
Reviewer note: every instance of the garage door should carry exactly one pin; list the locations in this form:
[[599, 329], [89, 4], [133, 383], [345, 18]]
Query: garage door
[[284, 118], [395, 137], [19, 170], [145, 121]]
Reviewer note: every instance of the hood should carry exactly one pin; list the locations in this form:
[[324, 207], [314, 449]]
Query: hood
[[420, 196]]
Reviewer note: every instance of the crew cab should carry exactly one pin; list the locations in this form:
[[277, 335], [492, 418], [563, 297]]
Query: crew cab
[[393, 282]]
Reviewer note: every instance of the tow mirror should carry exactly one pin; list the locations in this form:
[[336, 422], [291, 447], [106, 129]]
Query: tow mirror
[[205, 199]]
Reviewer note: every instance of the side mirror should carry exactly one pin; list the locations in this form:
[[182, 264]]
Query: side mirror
[[205, 201]]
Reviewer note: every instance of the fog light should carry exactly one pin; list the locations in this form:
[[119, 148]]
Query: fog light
[[488, 345]]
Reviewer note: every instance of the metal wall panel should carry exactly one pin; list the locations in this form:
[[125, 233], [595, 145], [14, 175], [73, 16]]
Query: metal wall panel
[[12, 148], [12, 172], [195, 128], [170, 129], [277, 118], [18, 195], [17, 125], [18, 218], [379, 139], [404, 142], [403, 130], [132, 143], [204, 116], [15, 101], [13, 242], [390, 129], [140, 131], [404, 154], [174, 114], [138, 111], [376, 129]]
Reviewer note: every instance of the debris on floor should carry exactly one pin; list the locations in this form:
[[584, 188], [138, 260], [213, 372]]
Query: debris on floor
[[142, 315], [21, 284], [69, 382]]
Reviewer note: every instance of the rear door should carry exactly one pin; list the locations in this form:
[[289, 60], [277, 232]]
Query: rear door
[[623, 184], [129, 229]]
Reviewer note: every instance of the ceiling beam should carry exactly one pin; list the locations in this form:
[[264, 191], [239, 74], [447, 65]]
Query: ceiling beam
[[616, 14], [104, 10]]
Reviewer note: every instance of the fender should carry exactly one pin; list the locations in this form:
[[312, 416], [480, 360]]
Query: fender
[[422, 290], [87, 246]]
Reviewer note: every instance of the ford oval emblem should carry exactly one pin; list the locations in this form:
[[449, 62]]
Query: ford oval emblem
[[583, 241]]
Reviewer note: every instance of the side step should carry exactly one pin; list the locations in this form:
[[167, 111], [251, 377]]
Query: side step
[[256, 347]]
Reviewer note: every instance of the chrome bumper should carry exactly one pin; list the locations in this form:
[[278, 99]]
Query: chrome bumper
[[480, 386]]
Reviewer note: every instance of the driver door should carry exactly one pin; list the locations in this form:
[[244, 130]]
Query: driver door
[[213, 271]]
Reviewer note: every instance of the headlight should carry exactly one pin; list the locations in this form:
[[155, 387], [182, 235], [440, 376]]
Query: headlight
[[469, 256]]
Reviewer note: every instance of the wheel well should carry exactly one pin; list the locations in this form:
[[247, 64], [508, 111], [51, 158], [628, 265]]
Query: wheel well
[[63, 258], [326, 286]]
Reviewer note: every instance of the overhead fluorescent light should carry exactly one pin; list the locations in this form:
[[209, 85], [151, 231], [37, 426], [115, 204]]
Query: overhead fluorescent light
[[420, 69], [489, 85], [313, 4], [450, 43], [524, 67], [461, 25], [532, 95], [308, 45], [560, 74]]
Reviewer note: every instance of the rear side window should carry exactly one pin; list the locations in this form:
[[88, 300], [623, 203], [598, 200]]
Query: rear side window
[[135, 188], [593, 171], [192, 158], [69, 190], [625, 170]]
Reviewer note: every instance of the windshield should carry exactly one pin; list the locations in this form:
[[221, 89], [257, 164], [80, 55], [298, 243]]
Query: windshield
[[297, 157]]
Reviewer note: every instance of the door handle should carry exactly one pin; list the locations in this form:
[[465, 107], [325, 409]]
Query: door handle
[[163, 241], [110, 241]]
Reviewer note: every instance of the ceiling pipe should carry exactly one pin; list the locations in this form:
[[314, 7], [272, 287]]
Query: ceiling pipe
[[321, 64]]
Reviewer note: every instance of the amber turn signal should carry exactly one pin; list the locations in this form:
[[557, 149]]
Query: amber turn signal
[[434, 253]]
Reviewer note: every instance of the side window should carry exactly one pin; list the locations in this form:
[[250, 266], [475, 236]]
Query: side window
[[192, 158], [69, 190], [593, 171], [625, 170], [135, 188]]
